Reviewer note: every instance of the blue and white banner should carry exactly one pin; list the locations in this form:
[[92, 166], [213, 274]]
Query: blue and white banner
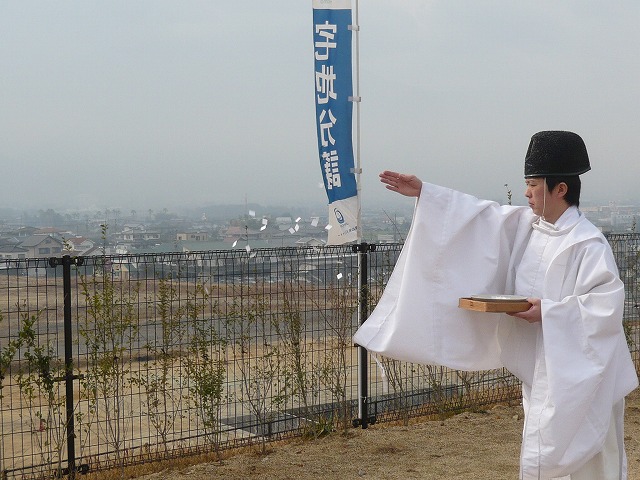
[[334, 115]]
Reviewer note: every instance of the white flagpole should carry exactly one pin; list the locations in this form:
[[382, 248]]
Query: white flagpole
[[363, 415], [356, 98]]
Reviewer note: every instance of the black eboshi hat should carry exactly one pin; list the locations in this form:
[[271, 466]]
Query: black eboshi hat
[[555, 154]]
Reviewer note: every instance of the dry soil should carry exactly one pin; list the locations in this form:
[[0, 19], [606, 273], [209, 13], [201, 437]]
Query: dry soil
[[473, 446]]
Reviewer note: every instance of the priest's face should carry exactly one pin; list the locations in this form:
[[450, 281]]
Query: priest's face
[[535, 193]]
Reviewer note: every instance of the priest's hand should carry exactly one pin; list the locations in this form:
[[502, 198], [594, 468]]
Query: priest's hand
[[408, 185], [534, 314]]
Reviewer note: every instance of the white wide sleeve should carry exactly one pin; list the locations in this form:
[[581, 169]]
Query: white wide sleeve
[[458, 246]]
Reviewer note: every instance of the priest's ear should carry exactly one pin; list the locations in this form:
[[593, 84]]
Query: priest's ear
[[561, 190]]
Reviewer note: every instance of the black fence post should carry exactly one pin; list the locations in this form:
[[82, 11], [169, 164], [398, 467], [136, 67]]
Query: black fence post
[[66, 262], [364, 419]]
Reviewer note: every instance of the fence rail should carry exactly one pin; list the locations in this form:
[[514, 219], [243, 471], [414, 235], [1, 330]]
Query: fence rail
[[186, 353]]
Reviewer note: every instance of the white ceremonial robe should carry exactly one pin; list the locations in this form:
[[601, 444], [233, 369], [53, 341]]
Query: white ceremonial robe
[[545, 240], [576, 362]]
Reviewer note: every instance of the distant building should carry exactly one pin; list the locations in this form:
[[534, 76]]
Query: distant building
[[43, 246], [80, 245], [53, 232], [235, 233], [12, 252], [284, 220], [137, 236], [24, 232], [613, 217], [121, 270], [386, 238], [193, 237], [151, 236], [310, 242]]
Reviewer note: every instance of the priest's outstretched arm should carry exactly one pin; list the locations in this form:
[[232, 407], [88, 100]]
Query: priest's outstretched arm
[[408, 185]]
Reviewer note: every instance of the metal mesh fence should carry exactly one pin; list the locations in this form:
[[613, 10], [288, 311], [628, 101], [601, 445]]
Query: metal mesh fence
[[626, 248], [197, 352]]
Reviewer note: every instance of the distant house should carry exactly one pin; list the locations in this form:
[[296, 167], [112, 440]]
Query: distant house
[[129, 234], [93, 251], [24, 232], [53, 232], [151, 236], [80, 245], [12, 252], [121, 271], [233, 233], [310, 242], [386, 238], [42, 246], [193, 237], [137, 236], [134, 226], [284, 220]]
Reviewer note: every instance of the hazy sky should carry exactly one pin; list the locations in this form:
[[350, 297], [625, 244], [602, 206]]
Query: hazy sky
[[157, 104]]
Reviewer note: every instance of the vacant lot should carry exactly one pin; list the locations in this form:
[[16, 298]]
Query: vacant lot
[[473, 446]]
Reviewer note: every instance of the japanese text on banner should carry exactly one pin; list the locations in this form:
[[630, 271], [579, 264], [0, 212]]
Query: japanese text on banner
[[334, 114]]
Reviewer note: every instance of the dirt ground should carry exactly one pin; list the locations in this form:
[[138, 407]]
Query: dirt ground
[[473, 446]]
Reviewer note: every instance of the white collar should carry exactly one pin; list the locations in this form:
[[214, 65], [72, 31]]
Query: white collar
[[566, 222]]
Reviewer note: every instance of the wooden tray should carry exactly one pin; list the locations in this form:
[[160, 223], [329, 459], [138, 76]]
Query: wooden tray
[[493, 306]]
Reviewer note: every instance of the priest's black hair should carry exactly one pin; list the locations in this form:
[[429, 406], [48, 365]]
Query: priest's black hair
[[572, 197]]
